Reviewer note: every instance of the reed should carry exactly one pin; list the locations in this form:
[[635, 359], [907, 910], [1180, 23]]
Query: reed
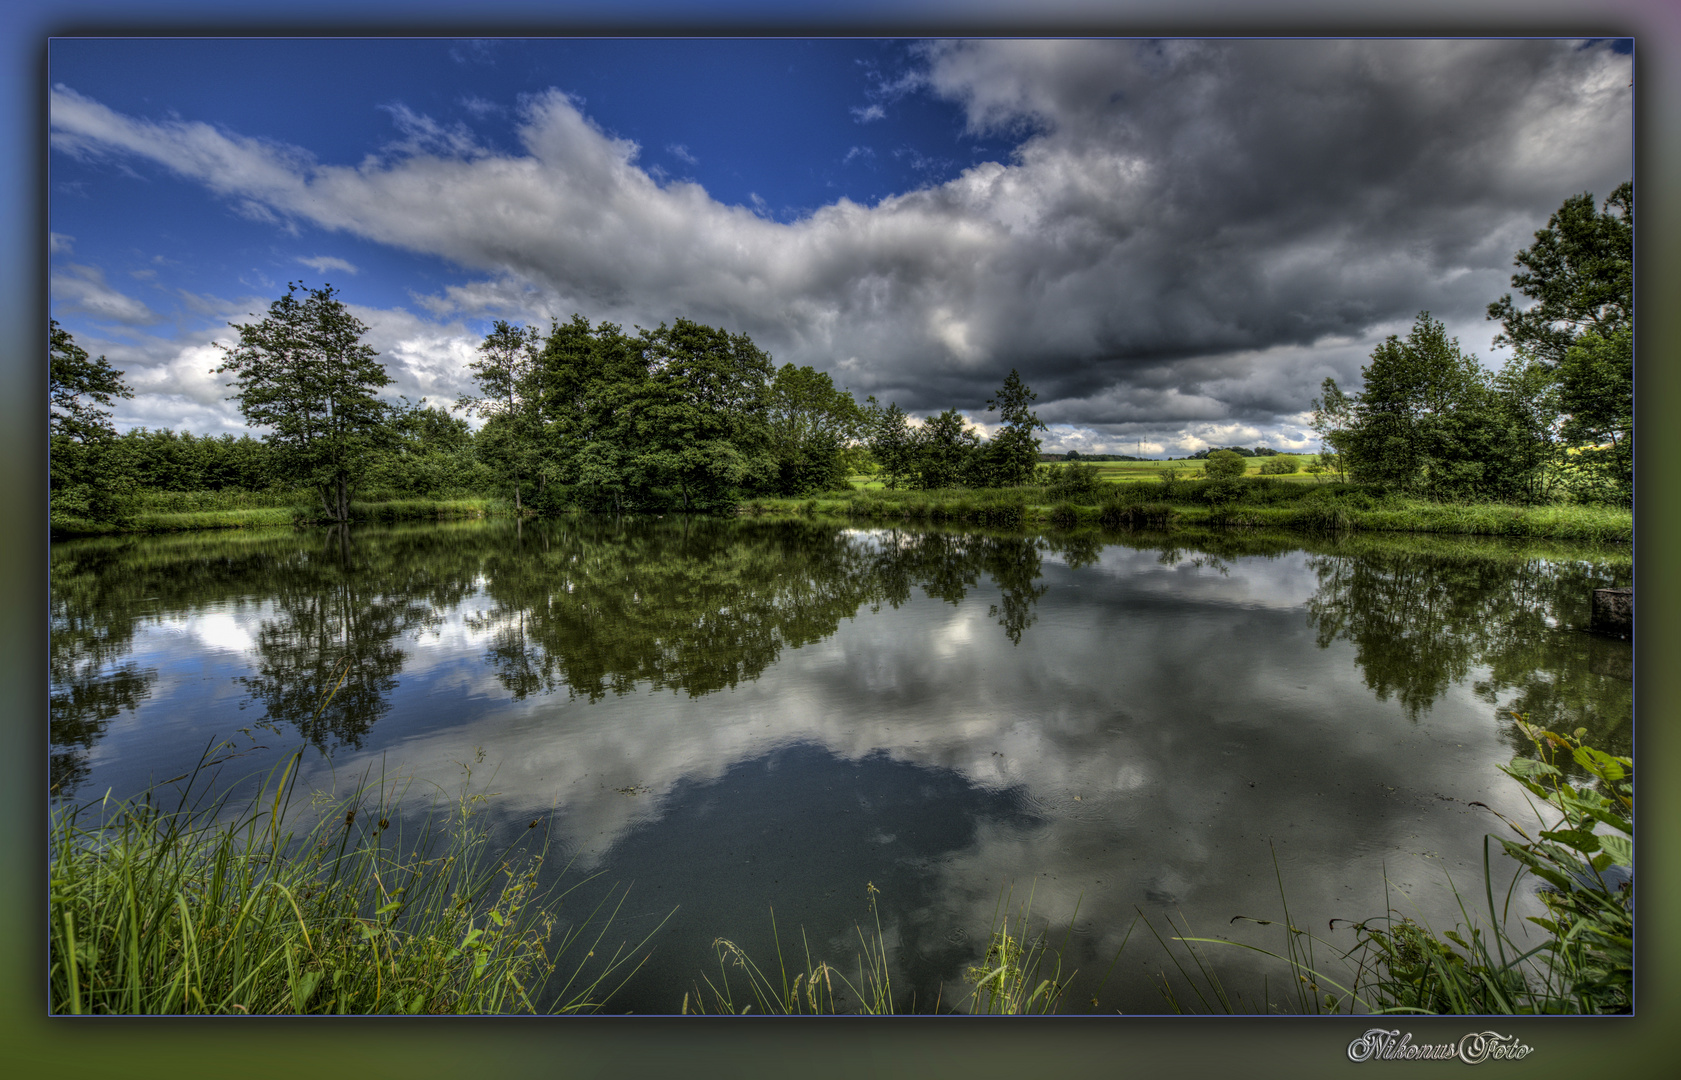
[[206, 908]]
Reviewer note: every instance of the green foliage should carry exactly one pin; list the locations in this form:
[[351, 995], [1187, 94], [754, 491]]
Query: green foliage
[[202, 910], [1008, 458], [304, 373], [1280, 465], [430, 454], [1596, 393], [891, 440], [1072, 481], [945, 451], [86, 477], [509, 376], [1430, 421], [1580, 270], [812, 423], [1225, 465]]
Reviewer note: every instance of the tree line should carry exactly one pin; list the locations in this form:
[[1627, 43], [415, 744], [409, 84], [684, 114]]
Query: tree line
[[682, 417], [691, 417], [1556, 420]]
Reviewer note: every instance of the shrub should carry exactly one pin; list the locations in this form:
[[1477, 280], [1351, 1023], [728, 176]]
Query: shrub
[[1225, 465]]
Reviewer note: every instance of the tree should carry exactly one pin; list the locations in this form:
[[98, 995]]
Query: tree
[[811, 423], [304, 373], [79, 432], [1333, 414], [510, 398], [945, 449], [891, 440], [1596, 394], [1425, 421], [1225, 465], [704, 429], [1010, 456], [430, 454], [1581, 270]]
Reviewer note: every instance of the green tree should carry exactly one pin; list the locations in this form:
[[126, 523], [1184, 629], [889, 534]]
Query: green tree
[[703, 430], [1009, 457], [1225, 465], [81, 477], [812, 422], [305, 374], [1426, 420], [430, 454], [1596, 394], [892, 442], [945, 450], [1580, 270], [1580, 273], [508, 372]]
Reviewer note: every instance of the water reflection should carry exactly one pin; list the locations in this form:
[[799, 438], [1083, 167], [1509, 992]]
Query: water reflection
[[745, 714]]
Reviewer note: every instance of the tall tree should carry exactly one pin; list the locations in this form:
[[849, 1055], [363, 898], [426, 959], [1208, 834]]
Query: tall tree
[[812, 421], [945, 451], [596, 388], [1596, 394], [305, 374], [1580, 331], [79, 394], [892, 441], [1580, 270], [705, 432], [1009, 458], [510, 399], [1422, 422]]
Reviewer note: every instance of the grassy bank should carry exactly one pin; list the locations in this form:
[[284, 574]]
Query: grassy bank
[[1254, 502], [258, 517], [198, 910]]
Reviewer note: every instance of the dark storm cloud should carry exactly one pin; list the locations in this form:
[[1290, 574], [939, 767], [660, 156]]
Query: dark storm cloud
[[1188, 238]]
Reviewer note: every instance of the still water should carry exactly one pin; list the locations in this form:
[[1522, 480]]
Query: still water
[[732, 717]]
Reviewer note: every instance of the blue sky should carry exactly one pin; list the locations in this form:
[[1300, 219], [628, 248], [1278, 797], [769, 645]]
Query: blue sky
[[1174, 241]]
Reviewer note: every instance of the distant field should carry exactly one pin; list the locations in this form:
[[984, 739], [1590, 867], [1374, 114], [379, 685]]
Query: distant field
[[1120, 472]]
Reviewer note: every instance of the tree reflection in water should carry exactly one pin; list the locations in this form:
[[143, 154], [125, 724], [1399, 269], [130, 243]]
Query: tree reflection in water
[[596, 606]]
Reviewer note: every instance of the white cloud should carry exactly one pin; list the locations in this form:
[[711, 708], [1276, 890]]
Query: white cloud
[[1174, 215], [83, 289], [323, 263], [59, 244]]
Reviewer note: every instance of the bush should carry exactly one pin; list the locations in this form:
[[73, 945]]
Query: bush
[[1281, 465], [1073, 481], [1225, 465]]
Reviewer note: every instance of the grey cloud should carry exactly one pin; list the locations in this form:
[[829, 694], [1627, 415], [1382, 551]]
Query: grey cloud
[[1189, 233]]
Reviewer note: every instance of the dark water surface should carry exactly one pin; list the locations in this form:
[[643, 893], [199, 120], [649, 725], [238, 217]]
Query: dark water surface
[[740, 716]]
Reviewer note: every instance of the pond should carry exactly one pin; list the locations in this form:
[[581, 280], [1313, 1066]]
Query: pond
[[739, 717]]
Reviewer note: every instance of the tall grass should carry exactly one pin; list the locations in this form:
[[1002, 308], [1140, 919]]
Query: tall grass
[[1019, 974], [199, 908]]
